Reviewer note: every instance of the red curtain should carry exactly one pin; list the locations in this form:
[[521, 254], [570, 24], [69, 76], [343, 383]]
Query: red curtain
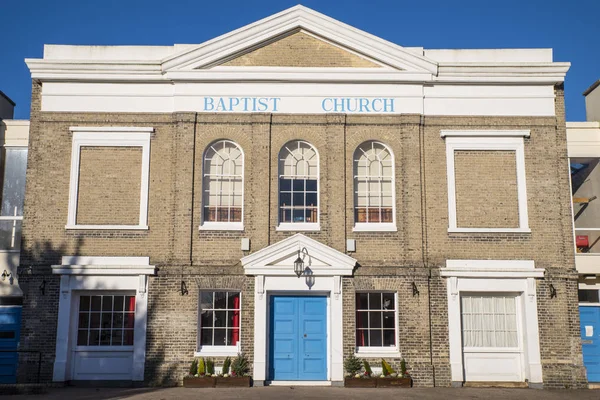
[[360, 334], [130, 306], [235, 334]]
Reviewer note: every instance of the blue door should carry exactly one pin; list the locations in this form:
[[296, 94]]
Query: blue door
[[590, 340], [298, 338], [10, 327]]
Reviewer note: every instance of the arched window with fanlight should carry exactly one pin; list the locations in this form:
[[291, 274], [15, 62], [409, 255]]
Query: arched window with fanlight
[[298, 186], [223, 186], [374, 196]]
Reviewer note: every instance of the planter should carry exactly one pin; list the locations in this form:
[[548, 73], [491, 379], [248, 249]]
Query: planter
[[234, 381], [197, 382], [360, 382], [394, 382]]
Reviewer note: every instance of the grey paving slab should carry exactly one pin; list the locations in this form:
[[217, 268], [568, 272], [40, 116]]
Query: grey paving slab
[[309, 393]]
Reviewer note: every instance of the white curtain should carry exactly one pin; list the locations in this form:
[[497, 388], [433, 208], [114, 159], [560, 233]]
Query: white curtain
[[489, 321]]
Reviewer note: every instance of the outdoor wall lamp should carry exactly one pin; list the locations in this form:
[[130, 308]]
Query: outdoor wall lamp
[[299, 263], [552, 291], [6, 274]]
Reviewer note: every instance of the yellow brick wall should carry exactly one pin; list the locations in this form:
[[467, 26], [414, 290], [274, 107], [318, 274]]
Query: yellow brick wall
[[486, 189], [109, 186], [300, 50]]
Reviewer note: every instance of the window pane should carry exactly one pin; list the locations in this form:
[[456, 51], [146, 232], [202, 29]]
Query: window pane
[[389, 338], [298, 185], [389, 320], [128, 320], [374, 320], [84, 303], [362, 320], [374, 301], [94, 337], [298, 199], [105, 337], [361, 301], [285, 184], [220, 337], [95, 321], [311, 199], [206, 337], [298, 215], [220, 318], [119, 301], [375, 337], [106, 303], [13, 187], [117, 337], [233, 301], [96, 303], [10, 235], [128, 338], [129, 303], [117, 321], [82, 337], [362, 337], [285, 199], [206, 300], [84, 320], [220, 300], [106, 321], [311, 185], [388, 301]]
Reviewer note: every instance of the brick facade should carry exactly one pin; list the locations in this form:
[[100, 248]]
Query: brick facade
[[390, 261]]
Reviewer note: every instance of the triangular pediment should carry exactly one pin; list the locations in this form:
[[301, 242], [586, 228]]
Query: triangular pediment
[[302, 49], [278, 259], [299, 37]]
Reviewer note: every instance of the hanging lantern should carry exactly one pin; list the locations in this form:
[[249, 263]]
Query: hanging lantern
[[299, 266]]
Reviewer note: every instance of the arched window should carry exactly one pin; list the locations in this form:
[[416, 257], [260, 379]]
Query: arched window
[[298, 184], [374, 185], [223, 183]]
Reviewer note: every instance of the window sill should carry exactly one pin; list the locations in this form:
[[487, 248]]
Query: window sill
[[217, 351], [489, 230], [109, 227], [378, 353], [221, 226], [299, 227], [375, 227]]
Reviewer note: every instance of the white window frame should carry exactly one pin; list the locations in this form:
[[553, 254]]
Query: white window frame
[[299, 226], [216, 351], [15, 217], [375, 226], [379, 351], [220, 225], [109, 137], [511, 140]]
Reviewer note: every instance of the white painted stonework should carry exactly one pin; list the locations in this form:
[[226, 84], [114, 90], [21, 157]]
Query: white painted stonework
[[495, 277], [100, 275], [175, 78], [273, 268]]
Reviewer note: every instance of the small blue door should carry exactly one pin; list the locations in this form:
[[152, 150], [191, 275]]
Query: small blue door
[[590, 340], [10, 328], [298, 338]]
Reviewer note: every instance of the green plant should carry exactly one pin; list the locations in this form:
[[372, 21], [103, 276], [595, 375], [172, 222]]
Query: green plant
[[210, 366], [240, 365], [352, 365], [194, 367], [386, 368], [403, 368], [368, 371], [201, 367], [226, 365]]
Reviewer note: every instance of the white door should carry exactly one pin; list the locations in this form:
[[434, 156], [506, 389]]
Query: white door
[[103, 336], [491, 338]]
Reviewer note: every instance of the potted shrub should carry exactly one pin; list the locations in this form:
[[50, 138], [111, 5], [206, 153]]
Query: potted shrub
[[239, 377], [390, 378], [354, 376], [201, 378]]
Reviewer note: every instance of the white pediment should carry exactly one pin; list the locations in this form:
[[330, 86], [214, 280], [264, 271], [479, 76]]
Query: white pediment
[[278, 259], [240, 41]]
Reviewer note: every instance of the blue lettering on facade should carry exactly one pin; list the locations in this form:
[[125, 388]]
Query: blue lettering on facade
[[273, 104]]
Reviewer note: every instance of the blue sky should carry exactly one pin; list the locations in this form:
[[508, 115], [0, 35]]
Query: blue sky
[[570, 27]]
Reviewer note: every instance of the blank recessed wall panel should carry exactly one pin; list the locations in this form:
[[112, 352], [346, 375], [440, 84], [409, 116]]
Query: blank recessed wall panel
[[486, 189], [109, 186]]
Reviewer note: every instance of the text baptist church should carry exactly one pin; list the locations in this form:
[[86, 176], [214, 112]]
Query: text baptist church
[[272, 104]]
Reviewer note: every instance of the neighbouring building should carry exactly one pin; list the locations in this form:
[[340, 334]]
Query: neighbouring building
[[584, 154], [299, 190], [13, 163]]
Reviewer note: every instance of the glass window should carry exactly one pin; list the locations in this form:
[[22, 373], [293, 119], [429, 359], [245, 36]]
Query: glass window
[[589, 296], [298, 183], [585, 188], [373, 183], [106, 320], [219, 318], [375, 319], [223, 182], [489, 321], [14, 166]]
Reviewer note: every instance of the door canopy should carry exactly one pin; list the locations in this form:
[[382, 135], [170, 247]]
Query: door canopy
[[318, 259]]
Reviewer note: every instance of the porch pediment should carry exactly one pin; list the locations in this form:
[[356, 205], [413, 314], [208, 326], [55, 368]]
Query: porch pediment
[[278, 259]]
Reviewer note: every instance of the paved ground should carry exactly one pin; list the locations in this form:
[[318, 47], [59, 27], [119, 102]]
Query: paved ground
[[310, 393]]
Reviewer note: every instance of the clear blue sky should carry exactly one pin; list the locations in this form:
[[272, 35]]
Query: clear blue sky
[[570, 27]]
